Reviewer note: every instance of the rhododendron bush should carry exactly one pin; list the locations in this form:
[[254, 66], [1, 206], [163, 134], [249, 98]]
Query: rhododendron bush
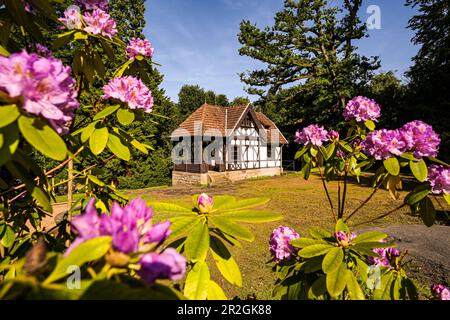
[[106, 245], [109, 246], [349, 265]]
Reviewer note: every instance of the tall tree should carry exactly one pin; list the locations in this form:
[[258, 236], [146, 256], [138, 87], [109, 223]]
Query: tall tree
[[240, 101], [222, 100], [389, 92], [429, 85], [310, 46], [190, 98]]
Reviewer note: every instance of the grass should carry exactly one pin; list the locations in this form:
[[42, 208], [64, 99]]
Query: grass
[[303, 205]]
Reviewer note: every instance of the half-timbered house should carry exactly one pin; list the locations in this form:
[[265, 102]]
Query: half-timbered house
[[218, 144]]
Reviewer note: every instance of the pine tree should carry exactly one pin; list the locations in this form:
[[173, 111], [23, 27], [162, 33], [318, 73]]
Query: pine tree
[[310, 48]]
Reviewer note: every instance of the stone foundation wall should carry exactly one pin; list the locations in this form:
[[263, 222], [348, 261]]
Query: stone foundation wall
[[187, 178]]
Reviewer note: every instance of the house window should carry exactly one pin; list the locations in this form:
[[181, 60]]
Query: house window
[[269, 152], [235, 153]]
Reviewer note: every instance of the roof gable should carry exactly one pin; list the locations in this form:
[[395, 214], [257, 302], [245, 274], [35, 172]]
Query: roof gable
[[216, 119]]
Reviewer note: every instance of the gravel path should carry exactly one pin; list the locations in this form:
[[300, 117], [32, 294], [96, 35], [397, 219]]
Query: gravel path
[[428, 248]]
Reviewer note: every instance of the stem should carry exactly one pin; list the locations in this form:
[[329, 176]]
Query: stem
[[382, 216], [70, 186], [339, 192], [344, 192], [366, 201], [47, 173], [327, 193]]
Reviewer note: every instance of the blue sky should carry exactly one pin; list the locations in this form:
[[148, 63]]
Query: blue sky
[[196, 40]]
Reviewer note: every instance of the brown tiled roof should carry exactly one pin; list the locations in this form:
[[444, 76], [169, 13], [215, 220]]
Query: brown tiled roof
[[271, 127], [221, 118]]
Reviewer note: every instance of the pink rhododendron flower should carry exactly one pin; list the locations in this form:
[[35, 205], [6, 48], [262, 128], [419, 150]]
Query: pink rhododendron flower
[[333, 135], [382, 144], [205, 203], [312, 134], [130, 90], [439, 178], [166, 265], [139, 47], [100, 22], [130, 226], [421, 139], [72, 18], [362, 109], [45, 85], [440, 292], [387, 257], [280, 248], [92, 4]]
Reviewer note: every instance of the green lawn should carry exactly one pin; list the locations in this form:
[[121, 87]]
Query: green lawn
[[303, 205]]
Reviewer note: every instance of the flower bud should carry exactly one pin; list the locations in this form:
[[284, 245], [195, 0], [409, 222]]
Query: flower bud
[[205, 203]]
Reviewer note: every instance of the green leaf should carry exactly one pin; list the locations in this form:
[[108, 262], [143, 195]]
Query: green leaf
[[89, 250], [239, 204], [332, 260], [330, 150], [419, 170], [427, 212], [170, 208], [341, 226], [118, 148], [369, 237], [318, 233], [197, 282], [232, 228], [301, 152], [384, 291], [370, 125], [63, 39], [315, 250], [42, 198], [182, 225], [10, 135], [215, 292], [374, 244], [125, 116], [140, 146], [252, 216], [8, 114], [353, 288], [336, 280], [96, 180], [87, 132], [8, 236], [312, 265], [98, 140], [392, 166], [225, 262], [106, 112], [345, 146], [305, 242], [197, 243], [447, 198], [417, 194], [3, 51], [318, 288], [119, 72], [41, 136]]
